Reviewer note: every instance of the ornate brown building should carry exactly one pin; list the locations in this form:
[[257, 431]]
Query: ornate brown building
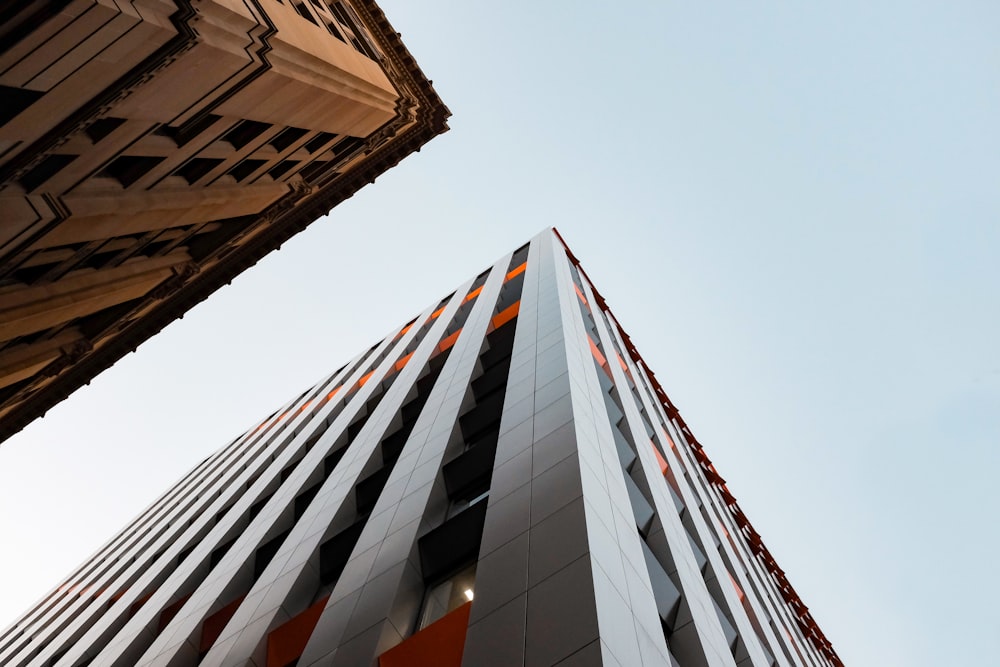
[[151, 150]]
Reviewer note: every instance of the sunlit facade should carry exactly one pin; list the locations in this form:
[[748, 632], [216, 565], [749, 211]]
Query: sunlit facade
[[500, 481], [151, 151]]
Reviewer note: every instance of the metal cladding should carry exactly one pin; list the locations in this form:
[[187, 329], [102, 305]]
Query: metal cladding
[[152, 151], [498, 482]]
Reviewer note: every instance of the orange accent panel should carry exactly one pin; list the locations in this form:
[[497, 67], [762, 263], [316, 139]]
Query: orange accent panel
[[440, 644], [474, 293], [659, 458], [216, 623], [404, 329], [506, 315], [401, 364], [333, 393], [286, 642], [366, 378], [449, 341], [437, 313], [621, 362], [580, 294], [516, 271], [739, 591], [596, 352]]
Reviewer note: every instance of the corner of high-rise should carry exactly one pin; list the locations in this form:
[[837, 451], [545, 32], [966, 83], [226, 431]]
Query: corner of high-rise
[[499, 481]]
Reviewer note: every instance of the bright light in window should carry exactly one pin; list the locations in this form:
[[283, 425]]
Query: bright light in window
[[468, 593]]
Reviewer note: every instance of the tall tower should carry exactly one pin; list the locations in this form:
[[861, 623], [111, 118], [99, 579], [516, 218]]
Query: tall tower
[[501, 481]]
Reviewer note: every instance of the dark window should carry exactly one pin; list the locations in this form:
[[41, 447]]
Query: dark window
[[335, 32], [335, 552], [15, 100], [370, 488], [265, 553], [103, 127], [312, 172], [320, 140], [287, 137], [282, 168], [128, 169], [245, 132], [453, 543], [220, 553], [303, 499], [301, 8], [243, 170], [45, 170], [194, 169], [347, 145], [331, 461]]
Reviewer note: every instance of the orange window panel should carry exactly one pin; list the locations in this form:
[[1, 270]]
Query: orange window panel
[[739, 591], [515, 272], [287, 642], [437, 313], [449, 341], [601, 361], [401, 364], [583, 299], [659, 458], [366, 378], [621, 362], [404, 330], [474, 293], [333, 393], [506, 315], [440, 644], [216, 623]]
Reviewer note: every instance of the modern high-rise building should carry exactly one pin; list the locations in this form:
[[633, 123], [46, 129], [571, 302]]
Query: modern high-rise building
[[500, 481], [151, 150]]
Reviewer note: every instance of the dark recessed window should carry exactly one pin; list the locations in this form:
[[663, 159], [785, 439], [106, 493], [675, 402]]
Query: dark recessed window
[[128, 169], [347, 145], [194, 169], [280, 169], [102, 127], [334, 31], [314, 171], [245, 132], [287, 137], [243, 170], [320, 140], [184, 133], [301, 8], [45, 170], [15, 100]]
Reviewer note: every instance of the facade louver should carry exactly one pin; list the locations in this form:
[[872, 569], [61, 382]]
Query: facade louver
[[499, 482]]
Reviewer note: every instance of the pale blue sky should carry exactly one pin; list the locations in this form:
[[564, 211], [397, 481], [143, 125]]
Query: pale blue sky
[[792, 209]]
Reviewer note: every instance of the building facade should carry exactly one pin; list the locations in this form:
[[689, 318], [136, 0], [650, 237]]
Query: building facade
[[151, 150], [501, 481]]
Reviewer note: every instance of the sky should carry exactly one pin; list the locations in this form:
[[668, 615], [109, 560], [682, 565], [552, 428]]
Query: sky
[[792, 208]]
